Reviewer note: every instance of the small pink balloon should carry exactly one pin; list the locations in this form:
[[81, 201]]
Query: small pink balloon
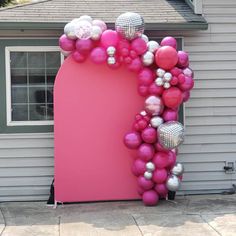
[[161, 160], [143, 90], [66, 44], [176, 71], [154, 105], [159, 176], [174, 81], [123, 47], [181, 78], [161, 190], [159, 148], [183, 60], [101, 24], [133, 54], [186, 96], [187, 85], [139, 46], [109, 38], [132, 140], [77, 56], [170, 115], [145, 77], [188, 72], [149, 135], [169, 41], [140, 190], [146, 152], [98, 55], [84, 46], [145, 183], [135, 65], [155, 90], [171, 159], [150, 198], [139, 167]]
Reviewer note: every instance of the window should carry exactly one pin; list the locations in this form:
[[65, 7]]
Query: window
[[30, 75], [196, 5]]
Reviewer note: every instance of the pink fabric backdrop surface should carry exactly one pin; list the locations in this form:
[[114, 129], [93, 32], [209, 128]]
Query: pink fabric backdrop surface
[[94, 106]]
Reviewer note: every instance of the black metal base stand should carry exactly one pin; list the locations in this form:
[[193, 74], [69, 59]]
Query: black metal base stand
[[171, 195]]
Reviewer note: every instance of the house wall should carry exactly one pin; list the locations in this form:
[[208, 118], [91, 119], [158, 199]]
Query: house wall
[[26, 160]]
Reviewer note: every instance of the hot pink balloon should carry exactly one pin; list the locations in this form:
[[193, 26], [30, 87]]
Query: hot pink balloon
[[187, 85], [161, 160], [183, 60], [132, 140], [101, 24], [98, 55], [145, 77], [171, 159], [135, 65], [169, 41], [123, 47], [84, 46], [139, 46], [161, 190], [133, 54], [159, 148], [174, 81], [139, 167], [155, 90], [77, 56], [145, 183], [159, 176], [150, 198], [181, 78], [66, 44], [109, 38], [146, 152], [176, 71], [186, 96], [149, 135], [143, 90], [170, 115], [140, 190]]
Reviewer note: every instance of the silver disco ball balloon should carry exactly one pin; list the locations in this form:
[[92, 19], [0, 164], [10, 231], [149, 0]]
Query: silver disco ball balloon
[[178, 169], [130, 25], [171, 134], [173, 183]]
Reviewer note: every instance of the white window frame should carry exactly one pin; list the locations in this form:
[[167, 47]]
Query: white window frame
[[196, 5], [8, 50]]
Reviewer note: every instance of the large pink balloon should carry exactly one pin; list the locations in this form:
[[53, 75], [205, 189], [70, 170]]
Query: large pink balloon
[[187, 85], [139, 46], [150, 198], [139, 167], [146, 152], [161, 189], [161, 160], [84, 46], [149, 135], [154, 105], [172, 97], [66, 44], [145, 77], [166, 57], [98, 55], [169, 41], [132, 140], [170, 115], [145, 183], [109, 38], [159, 176]]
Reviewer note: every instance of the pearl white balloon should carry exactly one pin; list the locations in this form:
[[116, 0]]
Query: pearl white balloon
[[160, 72], [150, 166], [153, 46], [148, 58], [145, 38], [167, 77], [178, 169], [96, 32], [166, 85], [173, 183], [69, 30], [111, 60], [87, 18], [147, 175], [111, 51], [156, 121], [159, 81]]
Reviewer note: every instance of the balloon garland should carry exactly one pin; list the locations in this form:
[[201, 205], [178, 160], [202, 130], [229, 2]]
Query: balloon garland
[[164, 80]]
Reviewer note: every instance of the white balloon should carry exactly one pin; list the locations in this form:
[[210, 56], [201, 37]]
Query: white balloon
[[160, 72], [83, 29], [87, 18], [69, 30], [96, 32]]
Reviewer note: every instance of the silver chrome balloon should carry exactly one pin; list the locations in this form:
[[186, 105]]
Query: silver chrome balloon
[[130, 25], [69, 30], [150, 166], [173, 183], [111, 60], [147, 58], [166, 85], [154, 105], [147, 175], [153, 46], [171, 134], [96, 32], [160, 72], [111, 51], [145, 38], [178, 169], [156, 121], [167, 77], [159, 81]]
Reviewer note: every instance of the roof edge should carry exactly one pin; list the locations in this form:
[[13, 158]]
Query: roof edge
[[60, 25]]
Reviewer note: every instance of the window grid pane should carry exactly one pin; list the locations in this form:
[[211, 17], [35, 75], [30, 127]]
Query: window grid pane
[[32, 99]]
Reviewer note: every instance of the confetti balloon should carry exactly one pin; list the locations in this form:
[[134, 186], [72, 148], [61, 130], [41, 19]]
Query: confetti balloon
[[171, 134], [130, 25], [173, 183], [83, 29]]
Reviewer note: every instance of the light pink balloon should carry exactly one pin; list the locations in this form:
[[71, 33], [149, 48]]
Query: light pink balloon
[[146, 152], [66, 44], [170, 115], [145, 183], [77, 56], [139, 46], [150, 198], [154, 105], [169, 41], [159, 176], [149, 135], [109, 38], [98, 55], [101, 24], [188, 72], [132, 140], [139, 167], [84, 46], [161, 160], [161, 189], [183, 60], [145, 77]]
